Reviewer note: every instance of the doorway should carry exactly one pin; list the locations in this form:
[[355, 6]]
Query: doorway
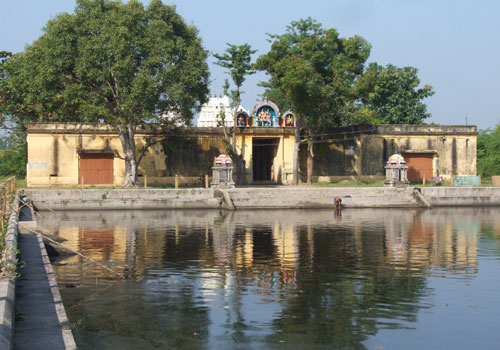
[[96, 169], [263, 152], [419, 166]]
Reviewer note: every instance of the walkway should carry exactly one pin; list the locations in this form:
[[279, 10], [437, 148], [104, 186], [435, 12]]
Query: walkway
[[41, 321]]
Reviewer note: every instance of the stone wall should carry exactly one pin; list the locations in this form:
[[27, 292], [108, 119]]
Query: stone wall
[[54, 151], [363, 150], [262, 197]]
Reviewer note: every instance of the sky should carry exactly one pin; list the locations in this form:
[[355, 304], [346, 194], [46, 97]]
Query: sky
[[455, 44]]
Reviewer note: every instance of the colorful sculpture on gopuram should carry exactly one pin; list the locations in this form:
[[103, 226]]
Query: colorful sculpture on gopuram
[[265, 114], [242, 119], [288, 119]]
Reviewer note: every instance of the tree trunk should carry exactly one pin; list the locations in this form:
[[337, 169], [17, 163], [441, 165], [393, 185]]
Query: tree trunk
[[128, 144], [310, 161], [238, 161], [296, 150], [238, 164]]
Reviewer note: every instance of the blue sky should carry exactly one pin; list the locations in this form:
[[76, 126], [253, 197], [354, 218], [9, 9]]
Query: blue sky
[[455, 44]]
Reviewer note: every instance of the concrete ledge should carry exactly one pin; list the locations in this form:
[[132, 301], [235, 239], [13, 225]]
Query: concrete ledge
[[462, 196], [283, 197], [67, 335], [7, 285], [109, 199]]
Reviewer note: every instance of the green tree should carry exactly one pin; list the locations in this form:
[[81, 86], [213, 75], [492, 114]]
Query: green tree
[[237, 59], [488, 152], [275, 95], [4, 93], [13, 148], [111, 62], [391, 95], [13, 155], [4, 55], [316, 70]]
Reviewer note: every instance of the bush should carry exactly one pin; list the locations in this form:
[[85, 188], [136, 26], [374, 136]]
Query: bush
[[13, 160], [488, 152]]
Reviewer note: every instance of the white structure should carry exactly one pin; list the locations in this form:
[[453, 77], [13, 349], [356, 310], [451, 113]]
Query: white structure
[[210, 110], [170, 118]]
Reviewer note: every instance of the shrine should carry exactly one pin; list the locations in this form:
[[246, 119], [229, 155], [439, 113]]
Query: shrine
[[265, 114]]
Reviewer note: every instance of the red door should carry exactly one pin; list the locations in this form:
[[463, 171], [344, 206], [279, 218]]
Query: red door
[[96, 169], [419, 165]]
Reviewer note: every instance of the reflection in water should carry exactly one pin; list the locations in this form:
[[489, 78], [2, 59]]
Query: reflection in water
[[255, 279]]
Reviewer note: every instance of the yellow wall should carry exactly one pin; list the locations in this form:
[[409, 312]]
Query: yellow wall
[[53, 152], [53, 158], [452, 154]]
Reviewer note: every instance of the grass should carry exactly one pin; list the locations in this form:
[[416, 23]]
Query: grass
[[7, 268], [485, 182], [20, 183]]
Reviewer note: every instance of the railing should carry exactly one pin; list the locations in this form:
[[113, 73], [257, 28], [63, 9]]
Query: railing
[[6, 195]]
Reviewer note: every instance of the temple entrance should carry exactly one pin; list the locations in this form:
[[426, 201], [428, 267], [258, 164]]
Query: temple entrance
[[263, 153]]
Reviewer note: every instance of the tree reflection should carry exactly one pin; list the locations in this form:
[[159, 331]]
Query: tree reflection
[[348, 294], [210, 279]]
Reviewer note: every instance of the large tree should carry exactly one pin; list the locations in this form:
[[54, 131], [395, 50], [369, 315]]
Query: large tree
[[391, 95], [111, 62], [316, 70], [237, 59]]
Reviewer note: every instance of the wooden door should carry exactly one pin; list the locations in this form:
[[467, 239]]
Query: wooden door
[[96, 169], [419, 165]]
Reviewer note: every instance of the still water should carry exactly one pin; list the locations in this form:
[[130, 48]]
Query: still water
[[281, 279]]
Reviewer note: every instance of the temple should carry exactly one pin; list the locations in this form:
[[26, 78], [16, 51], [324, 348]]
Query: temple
[[71, 154]]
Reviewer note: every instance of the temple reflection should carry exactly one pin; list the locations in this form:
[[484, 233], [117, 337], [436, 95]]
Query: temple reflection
[[311, 270], [256, 245]]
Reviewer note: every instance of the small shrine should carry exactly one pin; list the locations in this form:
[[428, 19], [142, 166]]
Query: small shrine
[[288, 119], [396, 172], [242, 119], [265, 114], [222, 172]]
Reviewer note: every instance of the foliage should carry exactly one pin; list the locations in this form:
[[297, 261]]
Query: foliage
[[13, 162], [237, 60], [488, 152], [316, 70], [7, 262], [4, 55], [13, 156], [7, 268], [391, 95], [110, 62], [275, 95]]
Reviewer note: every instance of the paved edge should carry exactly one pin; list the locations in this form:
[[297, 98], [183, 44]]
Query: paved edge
[[8, 288], [7, 284], [69, 341]]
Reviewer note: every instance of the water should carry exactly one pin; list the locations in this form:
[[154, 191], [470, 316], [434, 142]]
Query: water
[[281, 279]]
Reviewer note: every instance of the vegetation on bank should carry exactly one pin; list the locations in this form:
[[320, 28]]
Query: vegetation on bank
[[6, 195], [488, 152], [13, 156]]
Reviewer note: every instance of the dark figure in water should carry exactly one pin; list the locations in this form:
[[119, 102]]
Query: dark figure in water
[[338, 206]]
